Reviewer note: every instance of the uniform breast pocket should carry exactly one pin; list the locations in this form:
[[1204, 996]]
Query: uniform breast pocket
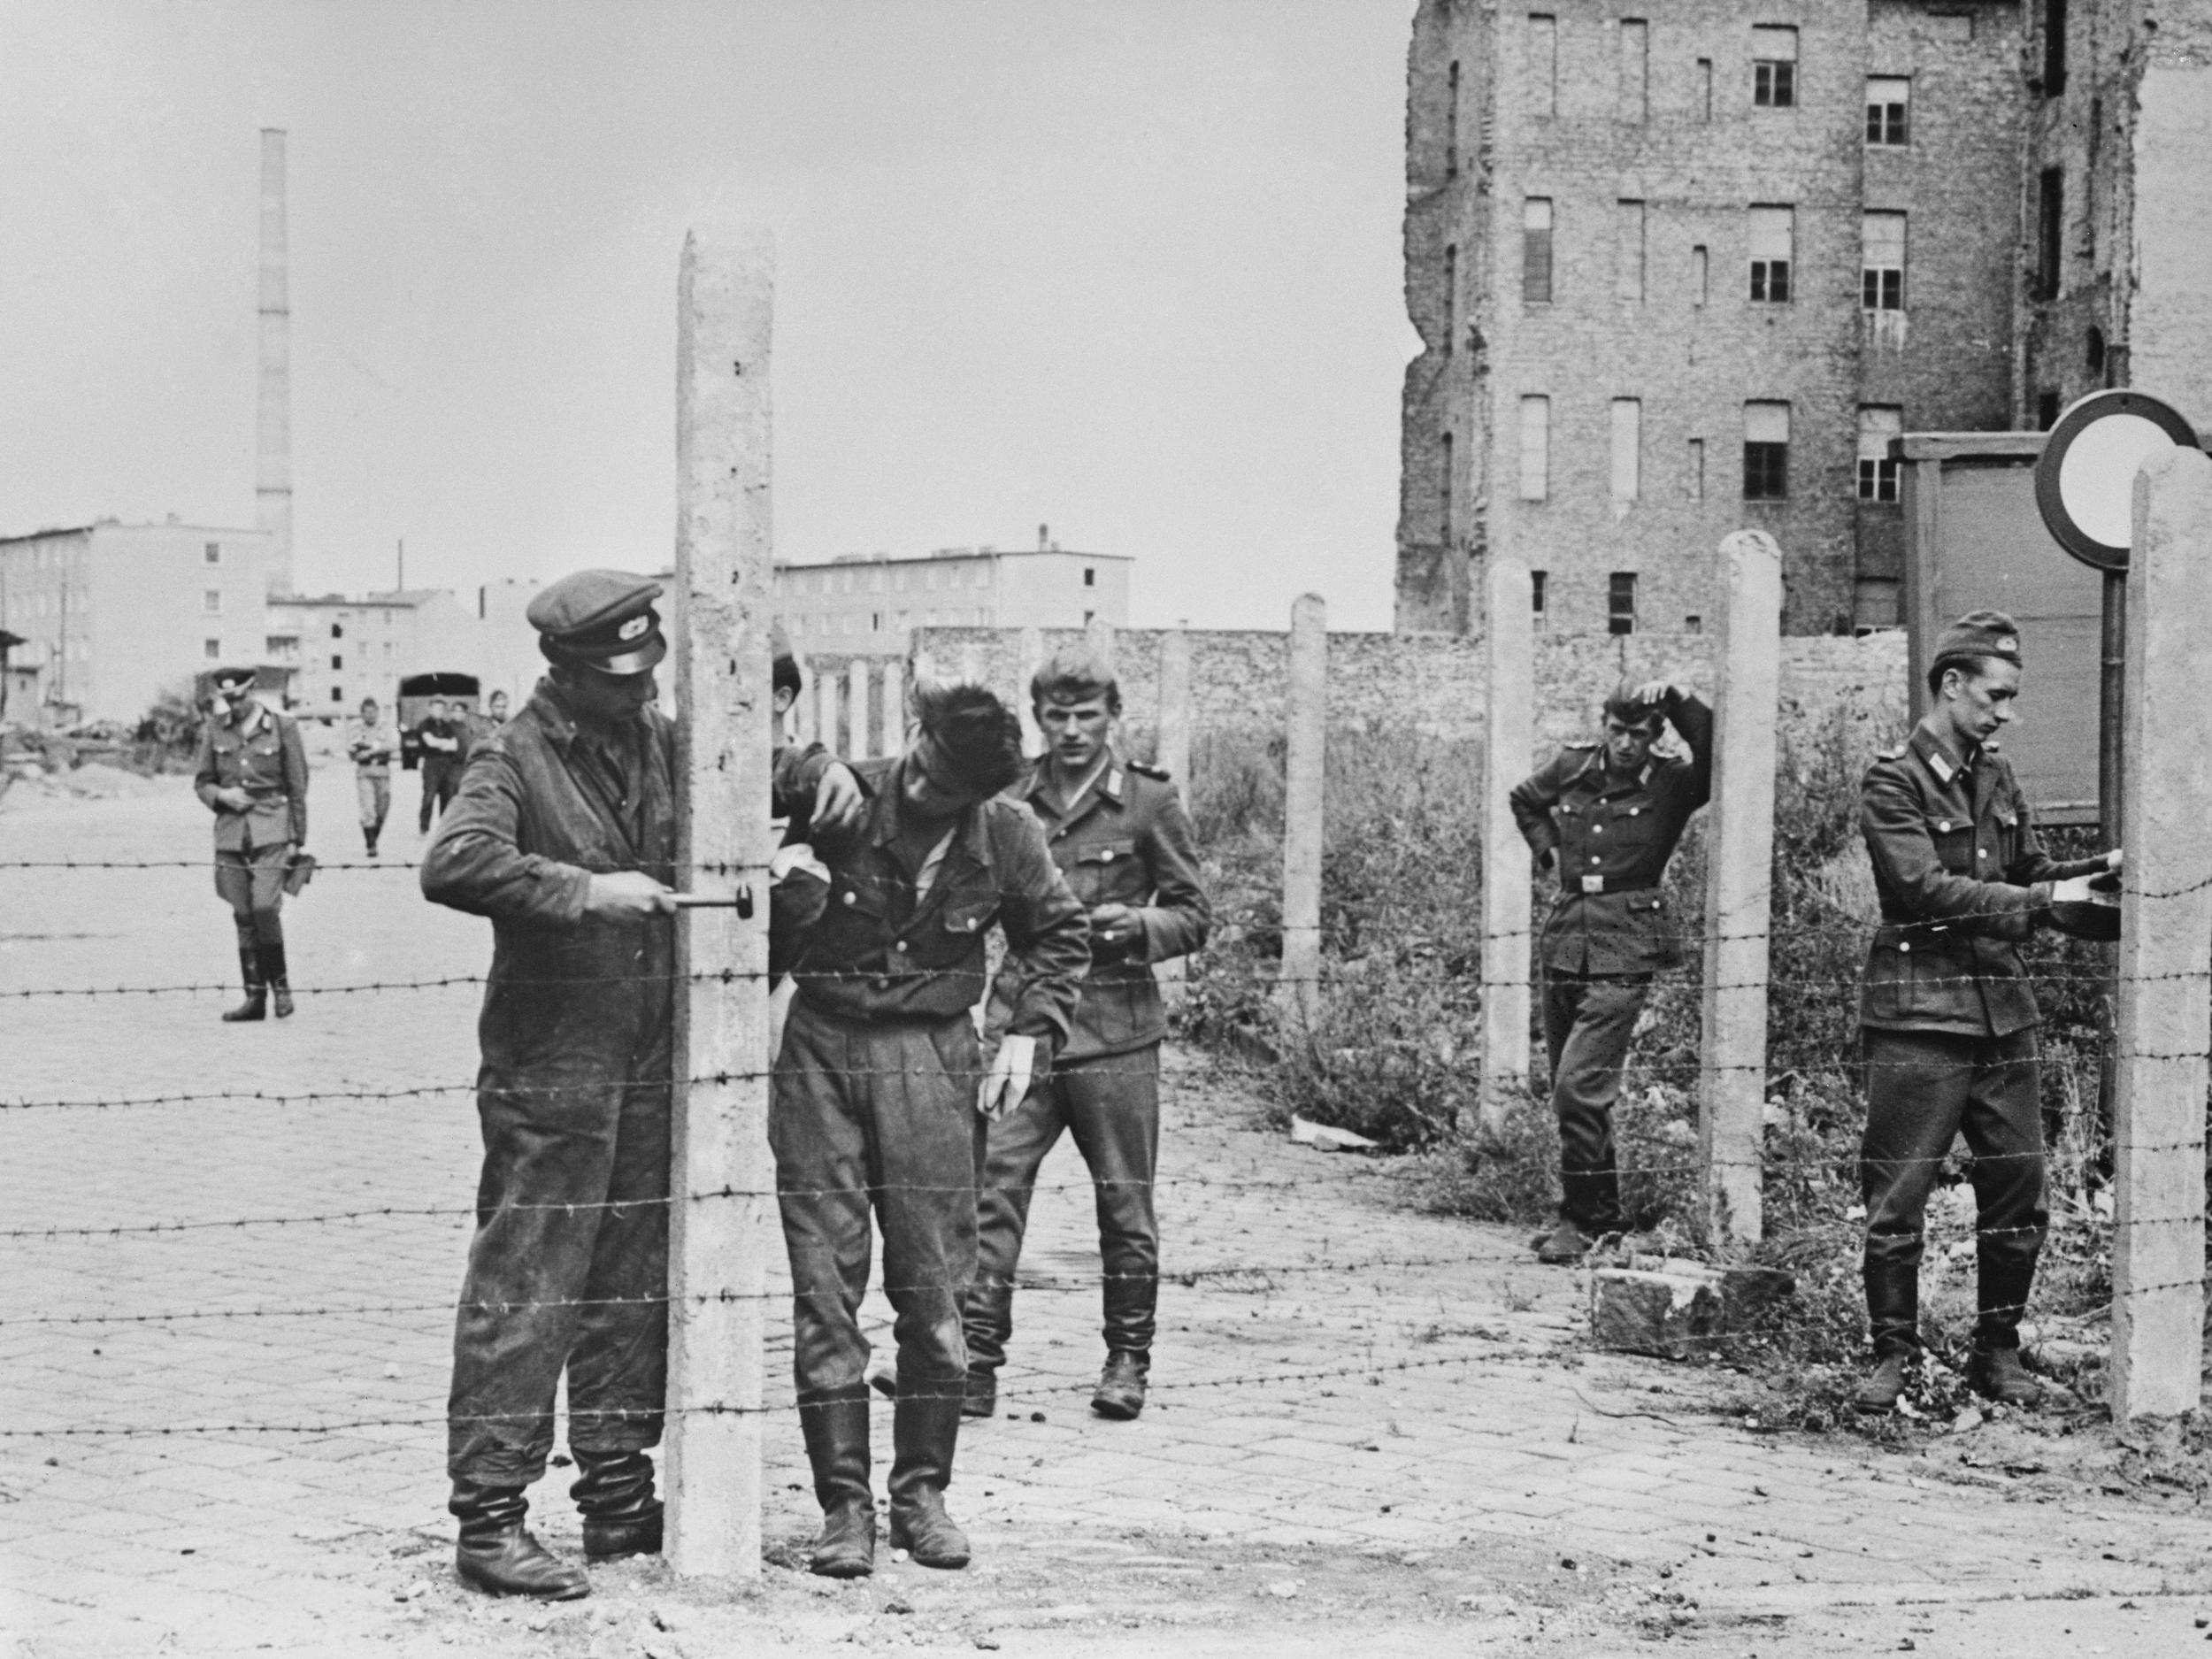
[[1107, 872], [1954, 842], [1632, 826]]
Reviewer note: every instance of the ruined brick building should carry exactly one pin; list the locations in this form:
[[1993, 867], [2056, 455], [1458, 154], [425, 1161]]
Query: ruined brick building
[[1686, 271]]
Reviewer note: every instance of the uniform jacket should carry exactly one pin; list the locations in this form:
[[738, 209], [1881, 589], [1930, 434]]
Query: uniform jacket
[[543, 806], [865, 948], [1612, 841], [262, 755], [1961, 877], [373, 747], [1126, 840]]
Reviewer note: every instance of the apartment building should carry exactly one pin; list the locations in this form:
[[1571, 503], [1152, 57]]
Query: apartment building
[[863, 604]]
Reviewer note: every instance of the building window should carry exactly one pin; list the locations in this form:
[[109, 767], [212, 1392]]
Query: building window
[[1886, 99], [1451, 124], [1697, 275], [2050, 225], [337, 693], [1628, 251], [1635, 68], [1536, 250], [1766, 451], [211, 603], [1701, 89], [1882, 262], [1090, 577], [1535, 448], [2054, 48], [2095, 350], [1693, 624], [212, 553], [1087, 615], [1774, 68], [1696, 483], [337, 630], [1444, 525], [1773, 239], [1451, 297], [1620, 603], [1543, 62], [1878, 423], [1536, 596], [213, 649], [2046, 411], [337, 664], [1628, 447]]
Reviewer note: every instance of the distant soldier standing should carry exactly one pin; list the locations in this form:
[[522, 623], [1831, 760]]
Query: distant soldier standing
[[1610, 813], [372, 745], [1120, 836], [252, 775], [1947, 1011], [439, 738]]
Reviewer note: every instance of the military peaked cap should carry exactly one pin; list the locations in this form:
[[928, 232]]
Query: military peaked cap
[[602, 620], [232, 680], [1977, 635]]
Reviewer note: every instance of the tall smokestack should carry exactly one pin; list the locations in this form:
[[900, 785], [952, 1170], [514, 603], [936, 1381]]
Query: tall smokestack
[[272, 454]]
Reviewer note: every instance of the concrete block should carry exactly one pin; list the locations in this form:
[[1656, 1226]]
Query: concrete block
[[1673, 1315]]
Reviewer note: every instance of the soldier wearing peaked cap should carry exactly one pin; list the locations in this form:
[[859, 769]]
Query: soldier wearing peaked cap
[[564, 835], [252, 775], [1948, 1013], [1610, 814]]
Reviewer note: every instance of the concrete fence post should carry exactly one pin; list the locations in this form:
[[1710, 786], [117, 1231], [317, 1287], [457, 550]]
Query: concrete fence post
[[2165, 966], [856, 710], [1738, 885], [1032, 658], [1508, 945], [1100, 638], [1306, 710], [718, 1246], [1171, 752], [893, 712]]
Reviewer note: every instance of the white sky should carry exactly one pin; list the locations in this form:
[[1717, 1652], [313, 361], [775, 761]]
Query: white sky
[[1129, 267]]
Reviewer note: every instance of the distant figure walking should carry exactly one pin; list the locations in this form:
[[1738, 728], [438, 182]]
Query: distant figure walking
[[252, 775], [372, 745]]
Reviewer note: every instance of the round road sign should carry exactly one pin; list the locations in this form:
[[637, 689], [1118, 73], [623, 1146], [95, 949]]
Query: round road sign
[[2085, 483]]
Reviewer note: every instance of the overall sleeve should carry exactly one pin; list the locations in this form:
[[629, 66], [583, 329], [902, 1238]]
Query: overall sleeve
[[477, 864], [1179, 916], [1687, 712], [1894, 823], [1048, 935], [293, 755]]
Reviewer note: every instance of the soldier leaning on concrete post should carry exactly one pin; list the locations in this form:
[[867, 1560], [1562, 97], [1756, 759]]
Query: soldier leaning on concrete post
[[1948, 1010], [1609, 814], [252, 775], [1119, 834], [881, 1096], [564, 835]]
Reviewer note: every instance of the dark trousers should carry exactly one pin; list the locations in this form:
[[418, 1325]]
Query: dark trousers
[[251, 881], [1923, 1087], [877, 1116], [441, 782], [553, 1288], [1588, 1020], [1111, 1106]]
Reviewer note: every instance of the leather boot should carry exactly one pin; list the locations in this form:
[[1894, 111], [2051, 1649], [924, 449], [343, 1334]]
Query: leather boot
[[1885, 1386], [1121, 1385], [986, 1319], [978, 1396], [496, 1553], [835, 1426], [1563, 1245], [1892, 1305], [257, 1003], [1997, 1374], [279, 978], [622, 1517], [925, 1430]]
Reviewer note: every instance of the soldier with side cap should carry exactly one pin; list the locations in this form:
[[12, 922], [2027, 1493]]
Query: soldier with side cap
[[1118, 833], [564, 835], [252, 775], [881, 1094], [1947, 1011], [1609, 813]]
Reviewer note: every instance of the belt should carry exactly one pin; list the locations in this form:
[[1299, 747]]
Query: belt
[[1592, 885]]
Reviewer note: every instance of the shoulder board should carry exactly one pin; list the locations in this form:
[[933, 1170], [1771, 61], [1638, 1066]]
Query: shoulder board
[[1159, 775], [1897, 753], [1581, 742]]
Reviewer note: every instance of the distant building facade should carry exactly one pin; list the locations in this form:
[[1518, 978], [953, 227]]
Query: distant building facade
[[341, 648], [114, 615], [863, 604], [1690, 272]]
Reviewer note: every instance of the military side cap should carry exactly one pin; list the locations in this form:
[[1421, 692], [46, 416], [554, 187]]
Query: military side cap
[[233, 680], [1977, 634], [602, 620]]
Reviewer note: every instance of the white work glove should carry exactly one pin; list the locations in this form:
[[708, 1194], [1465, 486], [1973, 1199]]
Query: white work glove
[[1008, 1079]]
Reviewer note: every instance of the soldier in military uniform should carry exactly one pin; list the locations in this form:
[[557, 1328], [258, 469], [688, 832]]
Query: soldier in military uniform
[[1609, 813], [564, 834], [881, 1094], [1119, 834], [252, 775], [1947, 1011]]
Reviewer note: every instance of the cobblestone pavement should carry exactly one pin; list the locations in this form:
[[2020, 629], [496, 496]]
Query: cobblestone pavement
[[1368, 1436]]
